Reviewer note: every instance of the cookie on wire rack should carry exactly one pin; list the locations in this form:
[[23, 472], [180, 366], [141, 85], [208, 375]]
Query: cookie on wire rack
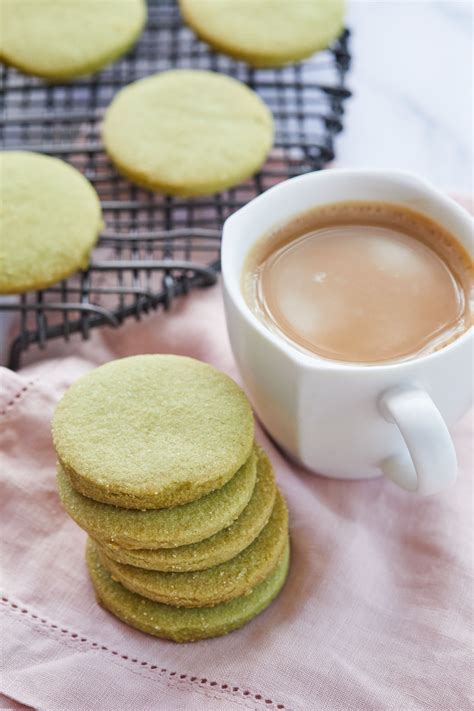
[[64, 39], [50, 219], [265, 33], [187, 132]]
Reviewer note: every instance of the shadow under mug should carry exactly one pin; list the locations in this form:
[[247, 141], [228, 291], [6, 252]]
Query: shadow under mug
[[338, 419]]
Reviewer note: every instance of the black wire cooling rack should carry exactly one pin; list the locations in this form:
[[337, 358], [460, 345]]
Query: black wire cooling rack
[[155, 247]]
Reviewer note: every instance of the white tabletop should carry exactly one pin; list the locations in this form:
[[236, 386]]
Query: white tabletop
[[412, 78]]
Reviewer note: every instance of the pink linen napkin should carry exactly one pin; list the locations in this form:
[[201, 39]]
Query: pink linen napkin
[[376, 613]]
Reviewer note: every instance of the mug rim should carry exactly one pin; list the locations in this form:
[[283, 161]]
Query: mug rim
[[297, 355]]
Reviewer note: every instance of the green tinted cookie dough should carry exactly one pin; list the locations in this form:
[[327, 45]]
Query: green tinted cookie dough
[[187, 132], [265, 32], [62, 39], [179, 623], [50, 219], [222, 546], [152, 431], [212, 586], [177, 526]]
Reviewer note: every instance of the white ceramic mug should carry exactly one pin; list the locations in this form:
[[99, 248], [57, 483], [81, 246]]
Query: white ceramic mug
[[343, 420]]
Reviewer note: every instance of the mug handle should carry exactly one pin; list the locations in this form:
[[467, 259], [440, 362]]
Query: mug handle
[[429, 465]]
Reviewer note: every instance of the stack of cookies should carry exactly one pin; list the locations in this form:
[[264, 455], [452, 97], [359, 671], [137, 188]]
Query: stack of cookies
[[188, 533]]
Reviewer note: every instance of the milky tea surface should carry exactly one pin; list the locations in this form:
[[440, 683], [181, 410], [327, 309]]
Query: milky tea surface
[[364, 282]]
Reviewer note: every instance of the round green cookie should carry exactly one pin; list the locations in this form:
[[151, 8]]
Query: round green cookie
[[164, 528], [205, 588], [179, 623], [62, 39], [187, 132], [265, 33], [222, 546], [50, 219], [152, 431]]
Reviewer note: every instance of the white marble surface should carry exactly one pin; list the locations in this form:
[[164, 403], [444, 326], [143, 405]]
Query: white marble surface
[[412, 78]]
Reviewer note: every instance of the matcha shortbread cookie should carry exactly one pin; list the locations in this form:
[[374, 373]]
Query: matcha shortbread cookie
[[152, 431], [161, 528], [62, 39], [265, 32], [187, 132], [50, 219], [212, 586], [179, 623], [220, 547]]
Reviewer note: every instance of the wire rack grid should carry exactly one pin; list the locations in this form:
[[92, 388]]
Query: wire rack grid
[[156, 247]]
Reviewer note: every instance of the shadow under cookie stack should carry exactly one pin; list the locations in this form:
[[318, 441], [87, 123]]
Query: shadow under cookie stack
[[188, 533]]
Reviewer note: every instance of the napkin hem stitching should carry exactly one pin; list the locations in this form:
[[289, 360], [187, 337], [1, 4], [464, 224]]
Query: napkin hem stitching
[[227, 691], [16, 398]]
